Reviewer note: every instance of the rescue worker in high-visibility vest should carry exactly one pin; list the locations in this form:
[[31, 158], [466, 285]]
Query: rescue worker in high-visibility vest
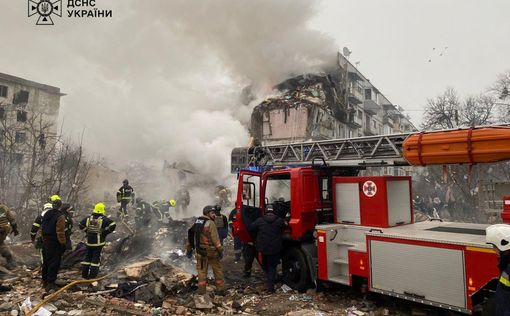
[[97, 226], [203, 238], [36, 225], [499, 236], [7, 225], [164, 207], [143, 214], [54, 243], [125, 195]]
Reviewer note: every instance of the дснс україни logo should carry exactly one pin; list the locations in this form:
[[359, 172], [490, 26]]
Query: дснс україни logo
[[45, 9]]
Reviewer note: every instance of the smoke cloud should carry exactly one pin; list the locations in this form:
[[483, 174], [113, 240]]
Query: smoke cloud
[[161, 79]]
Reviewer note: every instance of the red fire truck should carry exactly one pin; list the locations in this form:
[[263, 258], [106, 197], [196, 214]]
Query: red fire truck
[[359, 230]]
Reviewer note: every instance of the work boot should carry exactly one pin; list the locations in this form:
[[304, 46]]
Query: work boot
[[51, 287]]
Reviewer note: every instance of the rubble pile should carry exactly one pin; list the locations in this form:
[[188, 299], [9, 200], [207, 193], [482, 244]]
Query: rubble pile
[[160, 281], [304, 92]]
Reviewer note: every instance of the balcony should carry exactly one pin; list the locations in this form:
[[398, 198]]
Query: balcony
[[353, 75], [371, 107], [354, 121], [388, 120], [368, 131]]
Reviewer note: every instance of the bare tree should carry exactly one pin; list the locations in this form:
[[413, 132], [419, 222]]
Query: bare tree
[[478, 110], [36, 162], [442, 112], [447, 110]]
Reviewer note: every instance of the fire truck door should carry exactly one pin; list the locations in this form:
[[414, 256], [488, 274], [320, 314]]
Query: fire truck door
[[249, 201]]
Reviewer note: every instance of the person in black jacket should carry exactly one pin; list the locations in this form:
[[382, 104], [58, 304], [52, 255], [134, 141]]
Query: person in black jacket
[[53, 225], [268, 231], [125, 195], [97, 226]]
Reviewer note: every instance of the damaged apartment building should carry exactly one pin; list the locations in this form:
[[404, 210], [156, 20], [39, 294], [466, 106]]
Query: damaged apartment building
[[28, 126], [338, 104]]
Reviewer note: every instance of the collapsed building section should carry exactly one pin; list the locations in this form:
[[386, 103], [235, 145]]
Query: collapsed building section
[[338, 104]]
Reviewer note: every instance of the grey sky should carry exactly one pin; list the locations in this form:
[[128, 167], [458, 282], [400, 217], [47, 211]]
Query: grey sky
[[160, 80], [393, 40]]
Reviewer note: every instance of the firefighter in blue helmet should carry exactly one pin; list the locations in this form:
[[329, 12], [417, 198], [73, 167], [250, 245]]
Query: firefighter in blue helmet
[[97, 226], [499, 236]]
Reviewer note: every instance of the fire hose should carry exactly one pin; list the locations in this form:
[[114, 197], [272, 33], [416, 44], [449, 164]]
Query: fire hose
[[53, 295]]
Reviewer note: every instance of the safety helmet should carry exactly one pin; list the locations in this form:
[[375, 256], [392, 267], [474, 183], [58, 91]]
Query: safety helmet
[[47, 207], [54, 198], [208, 209], [172, 202], [269, 208], [99, 209], [499, 236], [125, 181]]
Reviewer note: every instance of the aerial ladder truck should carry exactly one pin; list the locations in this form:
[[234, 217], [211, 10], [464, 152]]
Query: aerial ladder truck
[[359, 231]]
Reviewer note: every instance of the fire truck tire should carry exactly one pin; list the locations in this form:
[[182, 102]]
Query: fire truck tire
[[296, 273]]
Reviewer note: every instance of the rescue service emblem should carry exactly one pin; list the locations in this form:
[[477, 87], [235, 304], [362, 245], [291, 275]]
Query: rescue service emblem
[[369, 188]]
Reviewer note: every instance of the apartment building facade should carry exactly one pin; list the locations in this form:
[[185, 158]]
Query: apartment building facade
[[28, 128]]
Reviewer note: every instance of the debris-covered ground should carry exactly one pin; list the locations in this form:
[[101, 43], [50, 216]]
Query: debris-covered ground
[[159, 280]]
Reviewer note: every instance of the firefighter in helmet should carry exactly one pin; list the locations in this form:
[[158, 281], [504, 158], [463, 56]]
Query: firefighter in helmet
[[142, 214], [7, 225], [36, 225], [53, 225], [499, 236], [203, 238], [97, 226], [125, 195]]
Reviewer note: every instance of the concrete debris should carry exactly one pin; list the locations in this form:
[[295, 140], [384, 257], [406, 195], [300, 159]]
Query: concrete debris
[[353, 311], [161, 281], [285, 288], [139, 269], [305, 312]]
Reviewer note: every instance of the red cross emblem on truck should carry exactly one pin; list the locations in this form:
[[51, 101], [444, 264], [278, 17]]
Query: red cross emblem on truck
[[369, 188]]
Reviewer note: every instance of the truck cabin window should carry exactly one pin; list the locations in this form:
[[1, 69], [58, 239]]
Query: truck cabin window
[[278, 194], [251, 191]]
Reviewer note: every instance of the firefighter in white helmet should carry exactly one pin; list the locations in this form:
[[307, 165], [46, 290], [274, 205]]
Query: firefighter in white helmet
[[499, 236]]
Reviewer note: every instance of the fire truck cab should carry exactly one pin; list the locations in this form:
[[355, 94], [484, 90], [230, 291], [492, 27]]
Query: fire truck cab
[[359, 231]]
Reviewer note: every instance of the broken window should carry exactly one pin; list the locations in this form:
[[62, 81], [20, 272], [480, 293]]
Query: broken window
[[21, 116], [20, 97], [3, 91], [368, 94], [2, 113], [20, 137], [360, 114]]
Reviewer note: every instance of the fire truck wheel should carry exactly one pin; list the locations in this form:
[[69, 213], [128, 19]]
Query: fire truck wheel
[[295, 269]]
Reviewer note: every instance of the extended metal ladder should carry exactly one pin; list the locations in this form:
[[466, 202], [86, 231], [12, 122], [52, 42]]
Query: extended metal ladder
[[381, 150]]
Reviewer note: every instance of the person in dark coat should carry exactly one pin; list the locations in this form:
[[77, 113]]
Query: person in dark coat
[[498, 235], [53, 226], [268, 231]]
